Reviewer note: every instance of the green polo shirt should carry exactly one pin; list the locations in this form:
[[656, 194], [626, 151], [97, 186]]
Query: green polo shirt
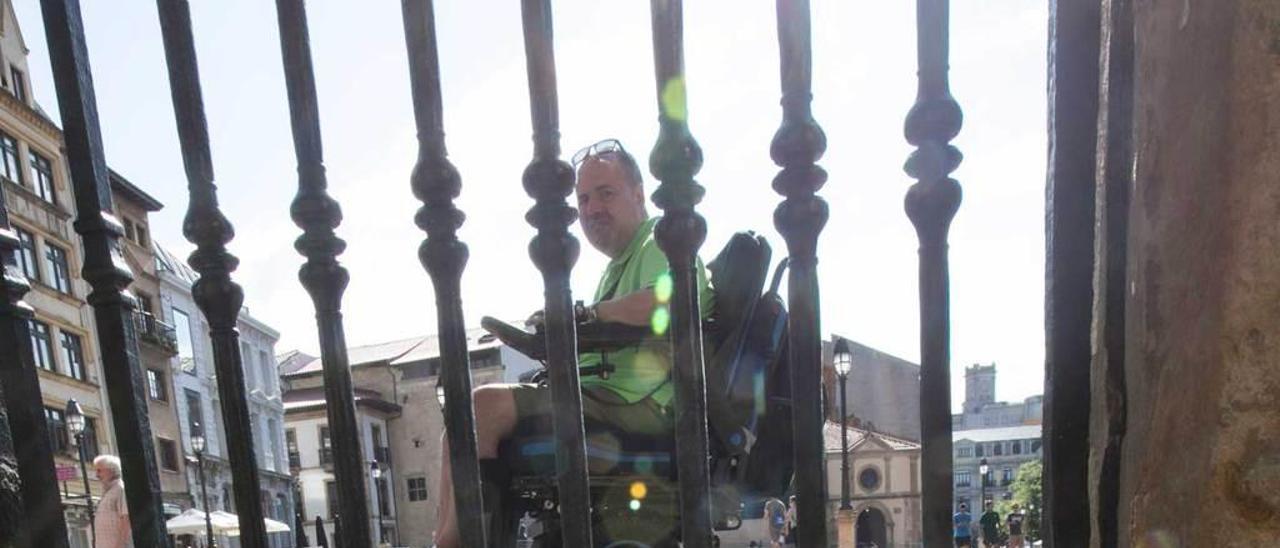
[[643, 371]]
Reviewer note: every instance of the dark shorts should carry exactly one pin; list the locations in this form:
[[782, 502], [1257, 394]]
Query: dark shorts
[[965, 541], [601, 407]]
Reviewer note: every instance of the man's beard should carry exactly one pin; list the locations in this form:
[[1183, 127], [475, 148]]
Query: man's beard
[[598, 231]]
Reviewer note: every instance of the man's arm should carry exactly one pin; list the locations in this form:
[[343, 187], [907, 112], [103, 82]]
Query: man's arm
[[631, 309]]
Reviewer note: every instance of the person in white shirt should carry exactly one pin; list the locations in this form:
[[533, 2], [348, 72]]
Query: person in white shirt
[[111, 519]]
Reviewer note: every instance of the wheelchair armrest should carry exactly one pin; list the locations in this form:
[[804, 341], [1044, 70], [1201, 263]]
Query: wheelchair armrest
[[608, 337], [532, 345]]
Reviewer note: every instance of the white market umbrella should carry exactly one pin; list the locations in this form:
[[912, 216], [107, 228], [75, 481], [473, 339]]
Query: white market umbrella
[[191, 522], [272, 525]]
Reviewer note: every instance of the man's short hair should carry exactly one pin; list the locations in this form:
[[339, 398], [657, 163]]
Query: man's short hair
[[629, 165], [110, 462]]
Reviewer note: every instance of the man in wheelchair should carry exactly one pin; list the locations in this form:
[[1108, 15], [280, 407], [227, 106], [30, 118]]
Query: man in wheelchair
[[631, 392]]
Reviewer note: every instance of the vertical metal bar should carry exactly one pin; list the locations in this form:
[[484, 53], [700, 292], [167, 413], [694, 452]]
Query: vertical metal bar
[[1115, 136], [549, 181], [218, 297], [1074, 43], [675, 159], [797, 146], [324, 277], [436, 183], [931, 203], [105, 270], [22, 416]]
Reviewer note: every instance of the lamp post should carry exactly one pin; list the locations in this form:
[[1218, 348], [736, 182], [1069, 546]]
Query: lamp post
[[982, 475], [198, 446], [376, 472], [76, 424], [843, 361]]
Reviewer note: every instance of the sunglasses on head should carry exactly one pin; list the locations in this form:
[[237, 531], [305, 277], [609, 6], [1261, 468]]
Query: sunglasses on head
[[597, 149]]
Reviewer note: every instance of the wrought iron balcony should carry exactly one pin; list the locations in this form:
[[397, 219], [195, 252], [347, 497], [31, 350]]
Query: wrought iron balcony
[[295, 460], [155, 332]]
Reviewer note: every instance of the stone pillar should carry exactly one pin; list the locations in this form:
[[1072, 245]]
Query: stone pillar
[[1199, 463], [845, 528]]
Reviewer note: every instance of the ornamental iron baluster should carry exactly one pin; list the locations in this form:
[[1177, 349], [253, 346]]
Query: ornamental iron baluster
[[675, 159], [797, 146], [436, 183], [1115, 135], [22, 415], [1074, 37], [106, 272], [218, 297], [931, 203], [325, 279], [549, 181]]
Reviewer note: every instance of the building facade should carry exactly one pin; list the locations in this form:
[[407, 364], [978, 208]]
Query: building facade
[[1004, 450], [980, 409], [199, 408], [401, 428], [883, 390], [157, 341], [41, 209]]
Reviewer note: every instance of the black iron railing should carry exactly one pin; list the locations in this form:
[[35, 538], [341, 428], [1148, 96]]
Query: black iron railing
[[152, 330], [797, 146]]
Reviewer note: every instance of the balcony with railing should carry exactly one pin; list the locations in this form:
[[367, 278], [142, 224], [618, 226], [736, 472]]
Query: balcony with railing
[[155, 332], [295, 461]]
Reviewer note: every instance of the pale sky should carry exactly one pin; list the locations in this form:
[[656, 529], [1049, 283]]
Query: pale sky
[[864, 84]]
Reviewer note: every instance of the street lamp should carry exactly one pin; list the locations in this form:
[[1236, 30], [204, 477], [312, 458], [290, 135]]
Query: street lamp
[[843, 361], [76, 424], [198, 446], [376, 472], [982, 475]]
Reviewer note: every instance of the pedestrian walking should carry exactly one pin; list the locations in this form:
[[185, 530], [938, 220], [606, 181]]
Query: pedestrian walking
[[111, 518], [990, 522], [1014, 522], [963, 521]]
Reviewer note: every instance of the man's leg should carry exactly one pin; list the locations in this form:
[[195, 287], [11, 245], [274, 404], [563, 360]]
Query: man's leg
[[497, 405]]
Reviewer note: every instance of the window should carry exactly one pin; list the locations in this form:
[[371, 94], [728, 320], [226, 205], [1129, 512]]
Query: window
[[186, 352], [168, 454], [142, 236], [291, 445], [43, 183], [195, 412], [10, 167], [326, 450], [375, 435], [27, 254], [869, 478], [272, 447], [228, 503], [251, 378], [90, 438], [964, 452], [55, 260], [144, 304], [384, 505], [998, 449], [978, 450], [72, 354], [128, 229], [1006, 476], [56, 423], [417, 489], [19, 81], [963, 479], [156, 387], [1016, 448], [42, 345], [1035, 446], [331, 495], [268, 372]]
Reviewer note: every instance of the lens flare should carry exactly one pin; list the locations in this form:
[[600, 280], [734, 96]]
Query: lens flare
[[635, 505], [639, 490], [663, 287], [660, 321], [674, 104]]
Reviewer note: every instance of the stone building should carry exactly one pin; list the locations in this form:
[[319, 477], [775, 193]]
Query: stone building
[[401, 427], [1005, 450], [884, 390], [157, 341], [980, 410], [199, 406], [41, 208]]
